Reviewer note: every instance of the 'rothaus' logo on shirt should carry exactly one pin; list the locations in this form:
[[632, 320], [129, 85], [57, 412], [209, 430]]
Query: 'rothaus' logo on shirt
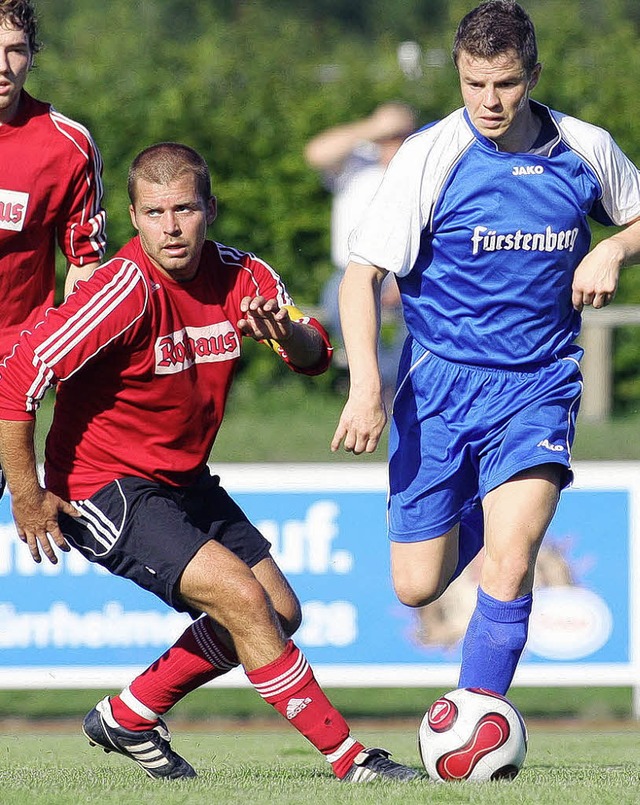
[[179, 350], [488, 240], [13, 209]]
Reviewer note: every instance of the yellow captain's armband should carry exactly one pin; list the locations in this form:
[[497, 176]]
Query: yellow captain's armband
[[295, 314]]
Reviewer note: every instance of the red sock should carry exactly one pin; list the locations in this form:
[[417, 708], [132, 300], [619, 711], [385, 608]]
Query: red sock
[[195, 658], [289, 685]]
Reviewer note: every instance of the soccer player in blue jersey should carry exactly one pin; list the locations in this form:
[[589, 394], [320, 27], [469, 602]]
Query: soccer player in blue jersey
[[483, 218]]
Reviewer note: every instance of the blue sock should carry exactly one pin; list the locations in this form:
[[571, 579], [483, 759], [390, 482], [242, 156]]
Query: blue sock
[[494, 641]]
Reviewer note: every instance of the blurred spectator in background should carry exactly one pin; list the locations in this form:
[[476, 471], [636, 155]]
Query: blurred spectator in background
[[352, 159]]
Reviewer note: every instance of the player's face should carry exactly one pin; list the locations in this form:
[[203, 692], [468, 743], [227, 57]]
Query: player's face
[[496, 95], [172, 221], [15, 62]]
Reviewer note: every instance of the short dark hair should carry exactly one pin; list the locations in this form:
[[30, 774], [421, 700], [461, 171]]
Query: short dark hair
[[164, 162], [495, 27], [22, 15]]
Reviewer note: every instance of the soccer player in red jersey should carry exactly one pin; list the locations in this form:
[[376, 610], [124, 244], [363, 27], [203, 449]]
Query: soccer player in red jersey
[[143, 354], [50, 187]]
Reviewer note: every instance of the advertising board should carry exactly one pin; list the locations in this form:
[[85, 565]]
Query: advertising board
[[74, 625]]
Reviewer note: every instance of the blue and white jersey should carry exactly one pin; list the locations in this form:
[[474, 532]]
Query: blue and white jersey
[[485, 243]]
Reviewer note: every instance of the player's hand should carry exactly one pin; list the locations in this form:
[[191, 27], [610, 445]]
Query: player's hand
[[36, 519], [595, 280], [361, 424], [264, 319]]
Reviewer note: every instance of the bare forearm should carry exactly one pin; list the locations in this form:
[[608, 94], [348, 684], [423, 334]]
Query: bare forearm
[[304, 346], [360, 322], [329, 149], [625, 245], [596, 278], [363, 417], [17, 456]]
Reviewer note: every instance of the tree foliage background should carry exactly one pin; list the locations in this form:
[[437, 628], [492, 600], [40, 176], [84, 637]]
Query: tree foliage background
[[248, 82]]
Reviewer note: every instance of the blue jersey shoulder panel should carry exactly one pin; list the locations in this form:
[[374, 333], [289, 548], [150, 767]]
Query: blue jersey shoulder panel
[[485, 243]]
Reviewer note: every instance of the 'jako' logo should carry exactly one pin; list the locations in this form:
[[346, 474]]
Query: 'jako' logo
[[527, 170]]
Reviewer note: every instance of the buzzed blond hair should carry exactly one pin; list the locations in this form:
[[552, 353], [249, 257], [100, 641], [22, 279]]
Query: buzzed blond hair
[[164, 163]]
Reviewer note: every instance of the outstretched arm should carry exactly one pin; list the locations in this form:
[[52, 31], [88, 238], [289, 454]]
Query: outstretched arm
[[328, 150], [595, 280], [363, 417], [35, 509]]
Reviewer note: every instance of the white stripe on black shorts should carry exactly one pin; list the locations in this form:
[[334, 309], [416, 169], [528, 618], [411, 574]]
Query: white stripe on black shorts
[[149, 532]]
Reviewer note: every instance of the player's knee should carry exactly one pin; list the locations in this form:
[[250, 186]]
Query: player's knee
[[289, 613], [414, 592], [507, 578], [243, 602], [291, 621], [287, 607], [248, 596]]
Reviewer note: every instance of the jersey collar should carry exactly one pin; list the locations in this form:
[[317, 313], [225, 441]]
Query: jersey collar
[[547, 140]]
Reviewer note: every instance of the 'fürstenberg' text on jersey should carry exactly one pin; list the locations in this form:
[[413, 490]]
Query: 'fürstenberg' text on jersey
[[478, 236]]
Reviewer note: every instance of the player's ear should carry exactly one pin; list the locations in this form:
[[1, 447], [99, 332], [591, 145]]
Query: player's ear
[[212, 210], [535, 76], [132, 215]]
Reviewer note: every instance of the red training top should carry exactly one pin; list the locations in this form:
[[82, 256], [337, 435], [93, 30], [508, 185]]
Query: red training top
[[50, 190], [145, 365]]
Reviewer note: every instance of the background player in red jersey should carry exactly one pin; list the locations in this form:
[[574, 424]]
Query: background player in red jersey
[[50, 187], [143, 353]]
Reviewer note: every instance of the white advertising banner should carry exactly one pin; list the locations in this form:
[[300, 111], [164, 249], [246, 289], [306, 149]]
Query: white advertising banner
[[74, 625]]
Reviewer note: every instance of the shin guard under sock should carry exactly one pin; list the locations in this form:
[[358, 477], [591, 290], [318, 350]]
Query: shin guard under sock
[[289, 685], [494, 641], [195, 658]]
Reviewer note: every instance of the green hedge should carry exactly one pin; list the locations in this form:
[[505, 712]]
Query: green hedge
[[248, 82]]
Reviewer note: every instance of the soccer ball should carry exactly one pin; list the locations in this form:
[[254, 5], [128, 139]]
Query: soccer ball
[[472, 734]]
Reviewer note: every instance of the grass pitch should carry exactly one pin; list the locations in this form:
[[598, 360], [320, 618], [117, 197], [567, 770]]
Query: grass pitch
[[278, 767]]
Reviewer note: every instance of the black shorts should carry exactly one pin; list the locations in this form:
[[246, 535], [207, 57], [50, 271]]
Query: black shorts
[[149, 532]]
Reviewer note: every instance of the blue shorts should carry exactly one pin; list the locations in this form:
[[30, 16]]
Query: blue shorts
[[149, 532], [459, 431]]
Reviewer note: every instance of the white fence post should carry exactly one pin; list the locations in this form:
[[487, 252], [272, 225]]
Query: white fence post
[[597, 340]]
